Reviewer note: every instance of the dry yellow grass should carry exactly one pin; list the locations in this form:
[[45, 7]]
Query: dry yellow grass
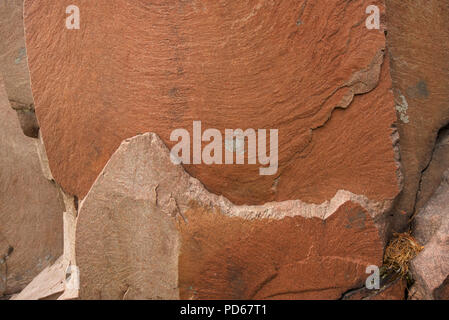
[[400, 251]]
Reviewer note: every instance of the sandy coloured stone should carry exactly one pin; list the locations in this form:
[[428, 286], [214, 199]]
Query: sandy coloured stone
[[30, 207], [14, 66], [431, 228], [148, 230]]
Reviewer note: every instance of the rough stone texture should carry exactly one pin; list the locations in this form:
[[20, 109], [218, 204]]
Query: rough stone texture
[[432, 176], [417, 41], [308, 68], [49, 284], [147, 229], [30, 207], [442, 292], [431, 267], [292, 258], [58, 281], [126, 246], [394, 290], [14, 66]]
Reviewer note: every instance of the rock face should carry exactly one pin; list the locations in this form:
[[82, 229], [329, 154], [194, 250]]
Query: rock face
[[361, 116], [433, 175], [417, 40], [146, 218], [292, 258], [13, 65], [442, 293], [394, 290], [47, 285], [30, 207], [310, 69], [431, 267]]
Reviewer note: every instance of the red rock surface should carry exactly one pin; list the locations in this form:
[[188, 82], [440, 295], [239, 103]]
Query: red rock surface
[[293, 258], [417, 40], [433, 175], [30, 207], [308, 68], [394, 290], [147, 230]]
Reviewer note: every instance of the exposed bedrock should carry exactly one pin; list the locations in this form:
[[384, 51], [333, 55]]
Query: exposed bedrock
[[419, 51], [148, 230], [14, 66], [30, 207], [431, 228], [310, 69]]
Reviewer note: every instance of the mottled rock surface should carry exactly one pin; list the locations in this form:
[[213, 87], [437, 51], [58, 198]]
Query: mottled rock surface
[[442, 292], [49, 284], [417, 41], [433, 175], [14, 66], [30, 207], [431, 267], [292, 258], [147, 229], [394, 290], [308, 68]]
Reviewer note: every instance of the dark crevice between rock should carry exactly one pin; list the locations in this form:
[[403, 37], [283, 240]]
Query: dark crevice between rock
[[27, 118], [75, 200], [362, 293], [4, 266], [349, 292], [440, 136]]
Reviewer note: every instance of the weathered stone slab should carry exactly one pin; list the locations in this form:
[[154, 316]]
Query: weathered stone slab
[[308, 68], [14, 66], [30, 207], [49, 284], [394, 290], [433, 175], [147, 230], [292, 258], [431, 267], [442, 292], [417, 41]]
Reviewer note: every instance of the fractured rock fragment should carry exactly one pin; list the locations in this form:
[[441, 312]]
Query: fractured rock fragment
[[394, 290], [14, 66], [417, 41], [433, 175], [431, 267], [442, 293], [147, 230], [48, 285], [30, 207]]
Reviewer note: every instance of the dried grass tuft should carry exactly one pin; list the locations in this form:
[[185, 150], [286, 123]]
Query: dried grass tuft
[[400, 251]]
